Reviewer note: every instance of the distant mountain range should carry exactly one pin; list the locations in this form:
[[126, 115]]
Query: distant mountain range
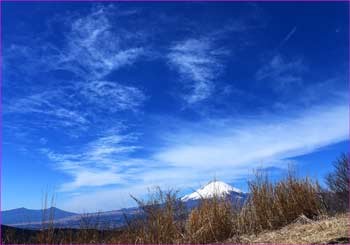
[[23, 215], [35, 219], [32, 219]]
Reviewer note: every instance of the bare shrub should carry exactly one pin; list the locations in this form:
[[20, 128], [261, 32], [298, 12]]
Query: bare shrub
[[338, 183]]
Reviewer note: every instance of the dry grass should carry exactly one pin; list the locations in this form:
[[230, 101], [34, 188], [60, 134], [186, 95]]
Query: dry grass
[[324, 231], [274, 205], [47, 234], [161, 221], [213, 221]]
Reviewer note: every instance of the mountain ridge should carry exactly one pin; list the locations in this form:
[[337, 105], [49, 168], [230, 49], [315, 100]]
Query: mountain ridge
[[25, 215]]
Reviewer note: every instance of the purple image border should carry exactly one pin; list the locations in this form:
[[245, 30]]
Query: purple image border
[[174, 1], [1, 73]]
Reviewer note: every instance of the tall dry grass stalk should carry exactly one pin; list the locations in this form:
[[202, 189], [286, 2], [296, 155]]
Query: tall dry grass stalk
[[214, 220], [47, 231], [273, 205], [161, 220]]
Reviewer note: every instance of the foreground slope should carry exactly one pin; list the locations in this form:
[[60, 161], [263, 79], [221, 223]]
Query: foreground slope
[[333, 230]]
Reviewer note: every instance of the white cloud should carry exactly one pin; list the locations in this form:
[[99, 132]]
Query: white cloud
[[94, 48], [232, 148], [226, 148], [112, 96], [200, 62], [282, 72], [245, 142], [53, 105], [76, 106], [98, 163], [92, 178], [102, 200]]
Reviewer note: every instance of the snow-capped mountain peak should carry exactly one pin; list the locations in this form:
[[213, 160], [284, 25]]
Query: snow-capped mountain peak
[[213, 188]]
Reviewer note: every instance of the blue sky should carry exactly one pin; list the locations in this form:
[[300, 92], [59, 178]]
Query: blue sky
[[105, 100]]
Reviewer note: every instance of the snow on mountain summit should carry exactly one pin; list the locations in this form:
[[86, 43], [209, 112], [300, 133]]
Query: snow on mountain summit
[[213, 188]]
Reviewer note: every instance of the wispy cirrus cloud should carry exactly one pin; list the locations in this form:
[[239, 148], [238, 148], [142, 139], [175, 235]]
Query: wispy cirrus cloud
[[76, 105], [201, 59], [94, 47], [91, 48], [282, 72], [54, 105], [199, 62], [112, 96], [98, 163]]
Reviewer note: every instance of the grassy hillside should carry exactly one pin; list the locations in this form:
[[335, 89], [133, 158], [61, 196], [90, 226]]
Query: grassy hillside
[[328, 230]]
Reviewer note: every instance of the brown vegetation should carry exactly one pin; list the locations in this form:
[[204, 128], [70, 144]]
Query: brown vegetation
[[327, 230], [212, 221], [338, 183], [273, 205], [162, 220]]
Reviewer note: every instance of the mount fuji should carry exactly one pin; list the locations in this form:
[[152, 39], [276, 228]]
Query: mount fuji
[[213, 189]]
